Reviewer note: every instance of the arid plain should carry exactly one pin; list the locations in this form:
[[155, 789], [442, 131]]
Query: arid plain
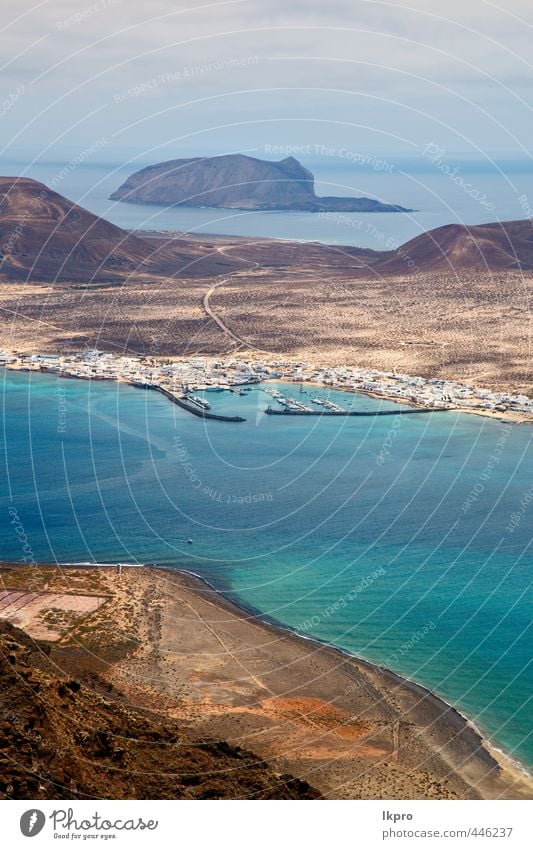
[[316, 303]]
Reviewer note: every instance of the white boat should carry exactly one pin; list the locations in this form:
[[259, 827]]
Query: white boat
[[199, 402]]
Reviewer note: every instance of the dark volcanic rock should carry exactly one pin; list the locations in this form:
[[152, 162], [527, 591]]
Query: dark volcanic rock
[[236, 181], [59, 739]]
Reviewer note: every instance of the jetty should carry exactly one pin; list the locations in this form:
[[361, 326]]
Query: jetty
[[181, 401]]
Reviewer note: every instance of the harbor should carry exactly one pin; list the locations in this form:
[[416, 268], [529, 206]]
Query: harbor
[[191, 405], [239, 376]]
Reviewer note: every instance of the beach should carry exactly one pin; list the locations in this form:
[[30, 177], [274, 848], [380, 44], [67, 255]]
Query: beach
[[167, 642]]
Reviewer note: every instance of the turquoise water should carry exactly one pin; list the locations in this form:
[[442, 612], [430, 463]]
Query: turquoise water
[[395, 538]]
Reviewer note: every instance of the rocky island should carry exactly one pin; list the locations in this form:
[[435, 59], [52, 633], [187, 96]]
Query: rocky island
[[236, 181]]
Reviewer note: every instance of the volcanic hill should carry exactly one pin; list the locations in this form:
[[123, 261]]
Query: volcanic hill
[[61, 739], [500, 246], [44, 236]]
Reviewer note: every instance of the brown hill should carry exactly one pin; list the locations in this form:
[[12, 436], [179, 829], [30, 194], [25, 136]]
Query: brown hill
[[43, 232], [44, 236], [236, 181], [58, 739], [457, 248]]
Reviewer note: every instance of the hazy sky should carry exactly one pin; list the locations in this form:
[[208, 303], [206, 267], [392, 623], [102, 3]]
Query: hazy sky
[[161, 79]]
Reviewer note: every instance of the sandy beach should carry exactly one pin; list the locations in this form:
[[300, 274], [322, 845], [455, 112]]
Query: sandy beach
[[166, 642]]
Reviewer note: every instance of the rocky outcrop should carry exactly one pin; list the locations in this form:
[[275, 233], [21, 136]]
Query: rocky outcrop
[[236, 181]]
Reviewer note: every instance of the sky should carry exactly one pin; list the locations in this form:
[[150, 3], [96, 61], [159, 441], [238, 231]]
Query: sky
[[138, 81]]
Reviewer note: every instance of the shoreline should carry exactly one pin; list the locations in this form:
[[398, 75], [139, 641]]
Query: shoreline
[[503, 416], [508, 416], [494, 751], [443, 715], [498, 754]]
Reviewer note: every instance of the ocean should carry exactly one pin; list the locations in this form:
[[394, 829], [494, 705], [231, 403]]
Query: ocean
[[398, 538], [440, 188]]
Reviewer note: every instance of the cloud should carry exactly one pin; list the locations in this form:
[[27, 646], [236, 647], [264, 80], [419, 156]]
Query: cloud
[[74, 57]]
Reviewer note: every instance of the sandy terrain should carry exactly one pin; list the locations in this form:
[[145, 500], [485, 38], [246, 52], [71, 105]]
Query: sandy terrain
[[476, 328], [170, 644]]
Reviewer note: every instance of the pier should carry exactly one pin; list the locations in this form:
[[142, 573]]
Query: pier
[[182, 402]]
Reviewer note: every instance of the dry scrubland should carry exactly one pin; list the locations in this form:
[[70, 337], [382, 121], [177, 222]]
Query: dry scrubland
[[154, 319], [69, 279], [474, 327]]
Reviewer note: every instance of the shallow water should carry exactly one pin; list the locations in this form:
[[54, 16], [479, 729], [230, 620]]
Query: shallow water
[[353, 530]]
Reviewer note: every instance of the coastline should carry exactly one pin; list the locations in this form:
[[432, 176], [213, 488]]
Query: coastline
[[441, 704], [504, 416], [499, 754], [451, 743], [507, 416]]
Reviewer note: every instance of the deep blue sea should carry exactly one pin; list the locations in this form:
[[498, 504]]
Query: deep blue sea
[[396, 538]]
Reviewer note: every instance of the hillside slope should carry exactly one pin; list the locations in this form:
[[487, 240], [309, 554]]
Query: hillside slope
[[457, 247], [44, 236], [59, 739]]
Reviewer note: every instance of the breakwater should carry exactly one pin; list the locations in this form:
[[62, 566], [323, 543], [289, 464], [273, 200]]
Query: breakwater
[[271, 412], [181, 402], [196, 411]]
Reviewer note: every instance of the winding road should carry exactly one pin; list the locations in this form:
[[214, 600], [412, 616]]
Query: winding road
[[216, 319], [212, 314]]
